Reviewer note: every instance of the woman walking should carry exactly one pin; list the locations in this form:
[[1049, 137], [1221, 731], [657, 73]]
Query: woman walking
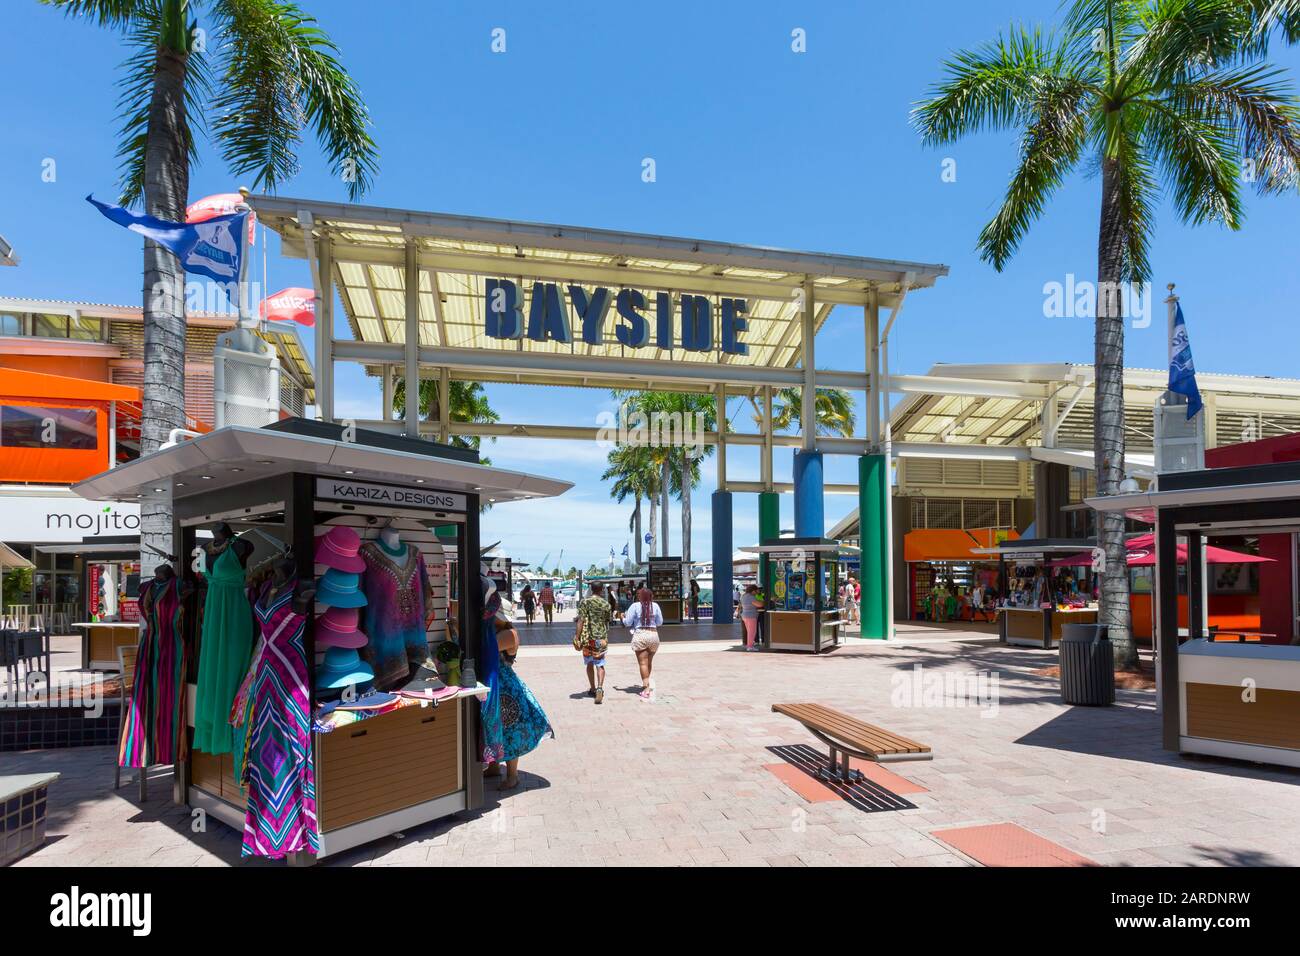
[[530, 602], [643, 619], [694, 601], [592, 638], [750, 605], [523, 722]]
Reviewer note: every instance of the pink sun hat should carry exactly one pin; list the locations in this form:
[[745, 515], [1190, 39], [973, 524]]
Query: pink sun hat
[[337, 627], [340, 548]]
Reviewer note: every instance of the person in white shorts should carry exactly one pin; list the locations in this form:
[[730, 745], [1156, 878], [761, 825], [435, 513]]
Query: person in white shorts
[[643, 619]]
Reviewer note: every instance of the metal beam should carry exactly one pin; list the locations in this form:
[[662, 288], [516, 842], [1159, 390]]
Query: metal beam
[[411, 347], [981, 388]]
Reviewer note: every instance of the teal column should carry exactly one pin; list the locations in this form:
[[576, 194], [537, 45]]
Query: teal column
[[769, 526], [873, 525]]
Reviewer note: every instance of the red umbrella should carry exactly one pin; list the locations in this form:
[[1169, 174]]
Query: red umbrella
[[1142, 554]]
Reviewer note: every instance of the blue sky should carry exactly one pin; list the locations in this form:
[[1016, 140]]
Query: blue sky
[[753, 144]]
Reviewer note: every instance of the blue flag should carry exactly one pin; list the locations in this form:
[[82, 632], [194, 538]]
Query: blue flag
[[1182, 373], [212, 248], [625, 551]]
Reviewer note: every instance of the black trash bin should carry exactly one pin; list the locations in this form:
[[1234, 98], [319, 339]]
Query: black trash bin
[[1087, 665]]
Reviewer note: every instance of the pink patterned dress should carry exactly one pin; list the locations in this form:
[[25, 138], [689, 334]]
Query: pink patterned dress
[[275, 703], [398, 595]]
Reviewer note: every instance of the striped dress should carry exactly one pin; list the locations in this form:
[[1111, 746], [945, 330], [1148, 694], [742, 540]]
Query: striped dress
[[151, 731], [281, 786]]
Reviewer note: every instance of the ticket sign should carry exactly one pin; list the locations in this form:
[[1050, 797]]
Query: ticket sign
[[397, 496], [545, 317]]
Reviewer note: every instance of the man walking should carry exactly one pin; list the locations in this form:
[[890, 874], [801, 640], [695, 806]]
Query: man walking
[[592, 638], [547, 600]]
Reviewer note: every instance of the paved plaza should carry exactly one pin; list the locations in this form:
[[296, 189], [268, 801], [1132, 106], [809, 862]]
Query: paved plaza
[[707, 774]]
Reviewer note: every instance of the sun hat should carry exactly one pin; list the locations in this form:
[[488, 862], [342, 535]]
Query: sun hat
[[337, 588], [339, 548], [342, 667], [337, 627], [506, 612]]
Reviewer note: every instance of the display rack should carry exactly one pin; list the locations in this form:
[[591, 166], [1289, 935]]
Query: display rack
[[664, 576]]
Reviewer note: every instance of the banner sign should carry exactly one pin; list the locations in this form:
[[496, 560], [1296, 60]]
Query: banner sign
[[364, 493], [548, 317], [294, 304]]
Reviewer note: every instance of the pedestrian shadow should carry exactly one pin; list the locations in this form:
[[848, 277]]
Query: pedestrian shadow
[[867, 795]]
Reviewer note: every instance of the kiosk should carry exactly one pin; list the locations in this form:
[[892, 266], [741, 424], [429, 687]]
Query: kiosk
[[664, 576], [285, 485], [798, 614], [1223, 692], [1029, 614]]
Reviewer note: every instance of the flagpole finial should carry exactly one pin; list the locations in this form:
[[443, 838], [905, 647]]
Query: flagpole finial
[[1172, 297], [245, 192]]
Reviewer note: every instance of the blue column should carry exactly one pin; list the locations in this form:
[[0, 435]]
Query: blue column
[[809, 509], [722, 550]]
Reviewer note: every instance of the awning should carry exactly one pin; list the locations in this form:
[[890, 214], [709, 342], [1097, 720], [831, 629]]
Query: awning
[[10, 559], [17, 383], [951, 544], [1142, 554], [90, 549]]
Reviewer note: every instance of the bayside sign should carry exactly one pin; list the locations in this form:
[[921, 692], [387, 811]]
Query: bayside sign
[[548, 318], [336, 489]]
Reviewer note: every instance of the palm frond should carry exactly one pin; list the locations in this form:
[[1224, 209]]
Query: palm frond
[[283, 75], [1199, 163], [1259, 110], [1050, 148], [117, 14], [1139, 192]]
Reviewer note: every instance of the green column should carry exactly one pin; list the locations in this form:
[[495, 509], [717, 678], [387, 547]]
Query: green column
[[769, 526], [873, 524]]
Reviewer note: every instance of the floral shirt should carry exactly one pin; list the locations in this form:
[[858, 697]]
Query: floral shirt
[[593, 618]]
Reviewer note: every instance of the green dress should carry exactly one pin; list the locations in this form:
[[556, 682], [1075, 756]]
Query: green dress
[[227, 645]]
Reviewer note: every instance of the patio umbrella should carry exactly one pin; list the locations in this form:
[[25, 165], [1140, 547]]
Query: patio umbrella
[[1142, 554]]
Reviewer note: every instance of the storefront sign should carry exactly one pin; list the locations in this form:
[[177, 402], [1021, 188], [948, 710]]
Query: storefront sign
[[339, 489], [548, 317], [43, 519]]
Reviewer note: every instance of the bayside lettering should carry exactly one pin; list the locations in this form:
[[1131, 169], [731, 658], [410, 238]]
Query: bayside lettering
[[389, 495], [75, 909], [548, 317]]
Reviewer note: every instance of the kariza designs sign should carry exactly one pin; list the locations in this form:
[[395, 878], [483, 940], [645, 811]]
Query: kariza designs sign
[[336, 489]]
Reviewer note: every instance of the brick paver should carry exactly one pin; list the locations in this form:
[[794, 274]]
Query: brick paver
[[682, 781]]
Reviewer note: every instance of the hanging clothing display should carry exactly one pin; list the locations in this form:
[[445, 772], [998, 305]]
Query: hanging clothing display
[[274, 710], [151, 730], [491, 732], [227, 645], [398, 595]]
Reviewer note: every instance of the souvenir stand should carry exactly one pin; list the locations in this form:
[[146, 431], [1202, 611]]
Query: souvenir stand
[[338, 507], [1223, 692], [664, 576], [1029, 615], [798, 615]]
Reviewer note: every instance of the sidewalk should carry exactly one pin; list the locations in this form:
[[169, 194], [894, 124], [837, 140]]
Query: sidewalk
[[684, 780]]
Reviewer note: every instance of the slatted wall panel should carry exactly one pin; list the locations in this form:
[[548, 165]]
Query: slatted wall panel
[[413, 532]]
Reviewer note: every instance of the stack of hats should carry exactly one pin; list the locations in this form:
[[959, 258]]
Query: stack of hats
[[339, 590]]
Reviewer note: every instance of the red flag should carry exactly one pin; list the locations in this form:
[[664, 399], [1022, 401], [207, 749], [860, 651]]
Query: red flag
[[219, 204], [292, 304]]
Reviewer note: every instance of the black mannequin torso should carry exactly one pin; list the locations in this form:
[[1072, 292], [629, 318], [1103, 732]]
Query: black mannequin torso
[[224, 537]]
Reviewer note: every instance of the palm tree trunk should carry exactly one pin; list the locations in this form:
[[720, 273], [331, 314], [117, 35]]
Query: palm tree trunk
[[654, 510], [686, 506], [636, 520], [663, 517], [165, 190], [1108, 414]]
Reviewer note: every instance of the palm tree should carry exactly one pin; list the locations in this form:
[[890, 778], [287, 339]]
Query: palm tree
[[834, 408], [1151, 92], [467, 402], [272, 74], [634, 475]]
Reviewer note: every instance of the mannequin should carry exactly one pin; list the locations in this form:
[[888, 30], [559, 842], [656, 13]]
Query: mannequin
[[223, 536], [391, 538], [284, 573]]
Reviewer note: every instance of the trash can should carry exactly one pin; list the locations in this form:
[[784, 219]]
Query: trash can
[[1087, 665]]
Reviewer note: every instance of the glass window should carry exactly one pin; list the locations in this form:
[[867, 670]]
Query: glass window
[[50, 326], [11, 324], [84, 329], [67, 428]]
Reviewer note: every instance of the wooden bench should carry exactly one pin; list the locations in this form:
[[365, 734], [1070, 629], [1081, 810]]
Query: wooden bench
[[851, 737]]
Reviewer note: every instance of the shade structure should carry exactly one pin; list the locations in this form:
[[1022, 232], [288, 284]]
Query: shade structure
[[1142, 554]]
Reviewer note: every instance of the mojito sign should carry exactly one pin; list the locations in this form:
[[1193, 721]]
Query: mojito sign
[[546, 318]]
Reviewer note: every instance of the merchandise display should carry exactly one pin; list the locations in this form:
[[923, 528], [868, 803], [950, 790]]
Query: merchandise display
[[342, 667], [338, 549], [337, 627], [337, 588], [152, 731], [226, 645], [398, 595]]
